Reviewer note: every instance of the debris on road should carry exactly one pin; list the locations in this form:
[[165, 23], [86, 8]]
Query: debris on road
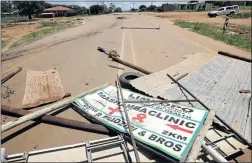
[[62, 122], [113, 66], [244, 91], [123, 62], [43, 111], [42, 87], [147, 122], [10, 75], [235, 56], [180, 77], [113, 53], [203, 62], [193, 155], [128, 120], [140, 27], [121, 17], [7, 91], [111, 149]]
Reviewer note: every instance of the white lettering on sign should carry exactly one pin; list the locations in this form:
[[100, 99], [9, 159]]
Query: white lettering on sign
[[167, 127]]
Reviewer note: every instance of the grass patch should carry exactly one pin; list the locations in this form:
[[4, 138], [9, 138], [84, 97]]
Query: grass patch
[[34, 35], [241, 37], [55, 24], [3, 44], [45, 28], [48, 24], [16, 43], [245, 7], [39, 33], [241, 15], [12, 24], [9, 25]]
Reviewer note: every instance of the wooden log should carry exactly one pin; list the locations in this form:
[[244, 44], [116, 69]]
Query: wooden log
[[192, 157], [45, 110], [58, 121], [11, 75]]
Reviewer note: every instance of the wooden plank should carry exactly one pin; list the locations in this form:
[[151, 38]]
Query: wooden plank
[[42, 87], [58, 121], [192, 157], [45, 110]]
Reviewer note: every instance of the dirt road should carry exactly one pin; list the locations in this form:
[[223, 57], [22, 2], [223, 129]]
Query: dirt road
[[73, 52]]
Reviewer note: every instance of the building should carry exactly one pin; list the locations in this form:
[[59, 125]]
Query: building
[[193, 6], [57, 11]]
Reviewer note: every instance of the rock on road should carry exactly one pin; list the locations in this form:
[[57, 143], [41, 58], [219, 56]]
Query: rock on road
[[73, 52]]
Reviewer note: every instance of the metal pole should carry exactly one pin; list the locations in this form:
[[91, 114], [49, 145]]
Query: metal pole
[[212, 152], [124, 62], [235, 56], [11, 75], [239, 136], [58, 121], [128, 121], [159, 101]]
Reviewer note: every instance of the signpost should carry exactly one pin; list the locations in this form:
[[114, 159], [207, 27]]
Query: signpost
[[168, 127]]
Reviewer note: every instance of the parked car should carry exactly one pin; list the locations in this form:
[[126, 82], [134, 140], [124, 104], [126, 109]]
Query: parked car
[[228, 10]]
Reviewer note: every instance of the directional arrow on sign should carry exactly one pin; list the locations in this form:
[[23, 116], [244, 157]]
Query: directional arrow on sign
[[176, 127]]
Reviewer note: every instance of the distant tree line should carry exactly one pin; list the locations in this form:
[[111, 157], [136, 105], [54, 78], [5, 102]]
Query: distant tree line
[[150, 8], [34, 8]]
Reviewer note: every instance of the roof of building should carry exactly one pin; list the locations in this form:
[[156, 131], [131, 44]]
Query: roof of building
[[47, 14], [57, 8]]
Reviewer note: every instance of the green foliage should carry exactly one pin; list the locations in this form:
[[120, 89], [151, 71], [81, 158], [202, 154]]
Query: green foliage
[[118, 9], [96, 9], [151, 8], [241, 40], [48, 24], [30, 7], [45, 29], [245, 7], [6, 6], [12, 24], [76, 10], [142, 8], [71, 12], [112, 7], [241, 15]]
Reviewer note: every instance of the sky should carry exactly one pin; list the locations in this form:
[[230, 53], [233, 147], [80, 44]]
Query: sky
[[123, 4]]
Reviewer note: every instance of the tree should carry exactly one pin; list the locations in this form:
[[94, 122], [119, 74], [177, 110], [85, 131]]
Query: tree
[[96, 9], [142, 8], [133, 10], [6, 6], [112, 7], [77, 10], [105, 9], [71, 12], [118, 9], [151, 8], [29, 7]]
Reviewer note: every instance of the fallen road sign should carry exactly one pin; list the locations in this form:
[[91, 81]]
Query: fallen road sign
[[168, 127]]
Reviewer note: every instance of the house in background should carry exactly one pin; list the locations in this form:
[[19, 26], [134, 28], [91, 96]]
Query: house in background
[[193, 6], [56, 11]]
